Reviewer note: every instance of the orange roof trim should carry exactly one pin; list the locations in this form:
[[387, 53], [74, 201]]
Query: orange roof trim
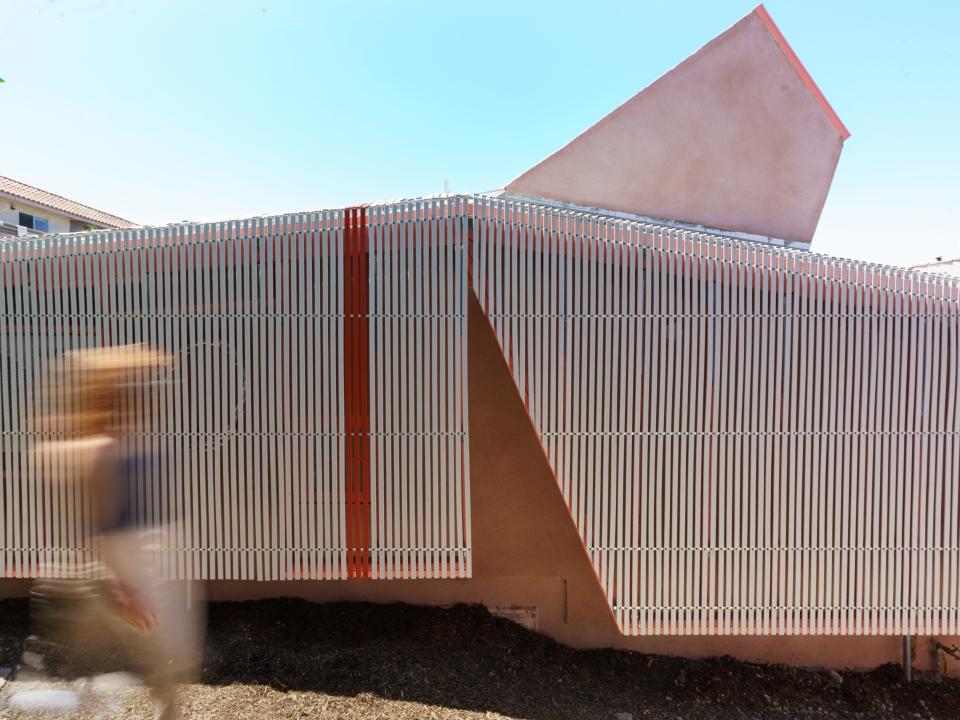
[[791, 56]]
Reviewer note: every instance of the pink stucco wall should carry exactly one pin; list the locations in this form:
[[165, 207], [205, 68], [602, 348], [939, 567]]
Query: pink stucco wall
[[736, 137]]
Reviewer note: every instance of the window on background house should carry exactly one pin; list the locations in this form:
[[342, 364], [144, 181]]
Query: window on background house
[[33, 222], [81, 226]]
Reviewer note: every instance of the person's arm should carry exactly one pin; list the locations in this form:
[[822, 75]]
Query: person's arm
[[117, 545]]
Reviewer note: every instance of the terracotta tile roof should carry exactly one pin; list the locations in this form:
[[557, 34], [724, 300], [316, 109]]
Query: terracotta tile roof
[[42, 198]]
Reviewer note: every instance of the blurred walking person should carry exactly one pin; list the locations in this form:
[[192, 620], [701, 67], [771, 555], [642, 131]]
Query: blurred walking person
[[121, 601]]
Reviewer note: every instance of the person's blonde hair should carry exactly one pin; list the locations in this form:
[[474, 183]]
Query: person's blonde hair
[[83, 390]]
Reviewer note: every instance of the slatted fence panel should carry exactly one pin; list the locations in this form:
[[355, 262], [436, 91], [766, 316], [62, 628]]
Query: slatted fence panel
[[256, 436], [749, 439], [420, 498]]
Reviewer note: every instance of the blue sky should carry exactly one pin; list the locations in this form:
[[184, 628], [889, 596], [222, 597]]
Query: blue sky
[[167, 110]]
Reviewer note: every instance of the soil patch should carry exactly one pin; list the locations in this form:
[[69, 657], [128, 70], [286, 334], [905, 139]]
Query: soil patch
[[289, 658]]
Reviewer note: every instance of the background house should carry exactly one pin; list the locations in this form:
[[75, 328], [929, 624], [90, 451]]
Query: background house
[[26, 210]]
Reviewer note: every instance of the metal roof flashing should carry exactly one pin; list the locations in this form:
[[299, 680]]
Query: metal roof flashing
[[664, 222]]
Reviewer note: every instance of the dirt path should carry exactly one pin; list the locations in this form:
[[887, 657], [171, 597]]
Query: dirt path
[[290, 659]]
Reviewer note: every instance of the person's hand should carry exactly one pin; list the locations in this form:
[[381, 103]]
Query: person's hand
[[134, 609]]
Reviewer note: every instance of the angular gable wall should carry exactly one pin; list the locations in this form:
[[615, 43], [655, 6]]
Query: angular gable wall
[[736, 137]]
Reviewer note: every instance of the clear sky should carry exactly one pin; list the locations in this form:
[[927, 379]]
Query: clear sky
[[167, 110]]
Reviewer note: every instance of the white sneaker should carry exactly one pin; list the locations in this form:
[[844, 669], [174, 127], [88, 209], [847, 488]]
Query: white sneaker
[[165, 711], [47, 702]]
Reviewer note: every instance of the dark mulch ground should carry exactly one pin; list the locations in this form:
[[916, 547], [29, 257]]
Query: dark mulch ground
[[289, 658]]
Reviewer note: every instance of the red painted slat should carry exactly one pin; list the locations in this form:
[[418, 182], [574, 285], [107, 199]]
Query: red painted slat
[[356, 362]]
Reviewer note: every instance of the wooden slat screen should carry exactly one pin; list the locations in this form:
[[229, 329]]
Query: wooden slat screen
[[749, 439], [255, 462], [420, 495]]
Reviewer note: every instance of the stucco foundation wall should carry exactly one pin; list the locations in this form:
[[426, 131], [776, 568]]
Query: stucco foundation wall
[[528, 554], [10, 588]]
